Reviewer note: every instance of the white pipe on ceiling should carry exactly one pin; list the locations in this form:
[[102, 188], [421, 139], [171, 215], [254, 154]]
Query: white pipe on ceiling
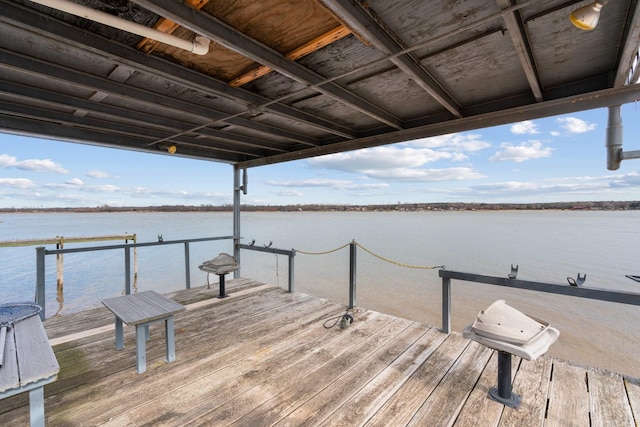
[[199, 46]]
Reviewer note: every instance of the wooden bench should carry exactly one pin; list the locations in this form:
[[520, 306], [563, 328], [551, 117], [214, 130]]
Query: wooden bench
[[29, 364], [140, 310]]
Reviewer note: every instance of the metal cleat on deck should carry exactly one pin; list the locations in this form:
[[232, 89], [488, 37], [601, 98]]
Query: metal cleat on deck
[[220, 265], [510, 331]]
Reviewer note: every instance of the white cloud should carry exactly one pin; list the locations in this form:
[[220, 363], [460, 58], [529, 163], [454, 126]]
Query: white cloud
[[583, 186], [427, 175], [290, 193], [326, 183], [575, 125], [455, 142], [526, 127], [406, 161], [21, 183], [35, 165], [387, 157], [75, 182], [97, 174], [522, 152]]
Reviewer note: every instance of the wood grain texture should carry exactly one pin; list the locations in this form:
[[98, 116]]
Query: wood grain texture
[[263, 357], [568, 396]]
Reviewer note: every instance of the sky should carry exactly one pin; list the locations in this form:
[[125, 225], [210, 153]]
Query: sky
[[555, 159]]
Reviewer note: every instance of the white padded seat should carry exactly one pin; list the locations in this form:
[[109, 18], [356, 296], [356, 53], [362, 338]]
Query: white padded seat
[[504, 328]]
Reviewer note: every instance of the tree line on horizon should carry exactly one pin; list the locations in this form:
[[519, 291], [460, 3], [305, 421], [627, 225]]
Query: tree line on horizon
[[444, 206]]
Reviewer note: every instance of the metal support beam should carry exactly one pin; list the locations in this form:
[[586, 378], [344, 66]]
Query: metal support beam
[[236, 219], [119, 54], [519, 38], [366, 23], [231, 38], [555, 107]]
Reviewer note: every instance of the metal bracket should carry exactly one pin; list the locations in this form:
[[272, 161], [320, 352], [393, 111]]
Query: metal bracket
[[514, 272], [578, 281]]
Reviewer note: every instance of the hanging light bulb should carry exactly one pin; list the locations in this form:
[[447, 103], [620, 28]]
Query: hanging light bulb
[[586, 18], [169, 148]]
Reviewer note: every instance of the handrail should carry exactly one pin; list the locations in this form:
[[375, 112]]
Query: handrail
[[599, 294], [42, 252], [290, 253]]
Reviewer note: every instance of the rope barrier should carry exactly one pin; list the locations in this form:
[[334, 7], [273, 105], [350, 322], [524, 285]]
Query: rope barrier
[[380, 257], [322, 253]]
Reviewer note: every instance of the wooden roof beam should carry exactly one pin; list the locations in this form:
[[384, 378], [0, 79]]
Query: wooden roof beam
[[310, 47]]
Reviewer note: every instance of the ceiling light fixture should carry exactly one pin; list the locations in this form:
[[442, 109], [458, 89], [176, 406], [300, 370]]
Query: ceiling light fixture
[[586, 18], [169, 148]]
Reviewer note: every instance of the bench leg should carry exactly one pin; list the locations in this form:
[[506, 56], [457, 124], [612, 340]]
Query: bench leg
[[170, 338], [36, 407], [141, 354], [119, 335]]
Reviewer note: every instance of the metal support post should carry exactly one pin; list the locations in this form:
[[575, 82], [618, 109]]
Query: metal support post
[[222, 293], [127, 270], [352, 273], [446, 305], [291, 270], [236, 219], [40, 294], [187, 267], [502, 393]]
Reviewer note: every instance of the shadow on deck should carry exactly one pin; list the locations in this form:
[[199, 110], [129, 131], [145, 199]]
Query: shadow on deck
[[262, 357]]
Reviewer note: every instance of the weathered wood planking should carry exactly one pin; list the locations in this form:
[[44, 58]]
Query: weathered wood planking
[[476, 412], [401, 407], [263, 357], [222, 398], [532, 385], [568, 396], [449, 397], [211, 350], [609, 403], [633, 392], [321, 371], [356, 396]]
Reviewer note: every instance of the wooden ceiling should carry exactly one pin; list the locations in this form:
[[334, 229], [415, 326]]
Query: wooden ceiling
[[292, 79]]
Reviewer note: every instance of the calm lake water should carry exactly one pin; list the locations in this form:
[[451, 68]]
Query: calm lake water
[[547, 246]]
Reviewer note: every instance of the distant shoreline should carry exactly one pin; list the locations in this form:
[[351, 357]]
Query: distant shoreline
[[406, 207]]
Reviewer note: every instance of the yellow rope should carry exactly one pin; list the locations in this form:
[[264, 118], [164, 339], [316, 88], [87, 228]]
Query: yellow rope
[[399, 263], [373, 254], [323, 253]]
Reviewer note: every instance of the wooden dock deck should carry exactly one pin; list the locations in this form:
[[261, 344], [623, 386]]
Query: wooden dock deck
[[262, 357]]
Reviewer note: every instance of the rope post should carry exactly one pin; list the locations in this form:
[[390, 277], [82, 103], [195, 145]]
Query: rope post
[[187, 267], [127, 270], [291, 269], [40, 294], [446, 305], [352, 273]]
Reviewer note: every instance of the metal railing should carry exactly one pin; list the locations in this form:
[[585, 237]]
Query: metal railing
[[599, 294], [42, 252], [289, 253], [446, 275]]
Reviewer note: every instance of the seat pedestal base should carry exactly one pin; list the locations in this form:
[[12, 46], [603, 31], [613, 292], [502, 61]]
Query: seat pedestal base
[[502, 393]]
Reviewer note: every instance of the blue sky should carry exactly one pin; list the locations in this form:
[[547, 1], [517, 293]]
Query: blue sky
[[553, 159]]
